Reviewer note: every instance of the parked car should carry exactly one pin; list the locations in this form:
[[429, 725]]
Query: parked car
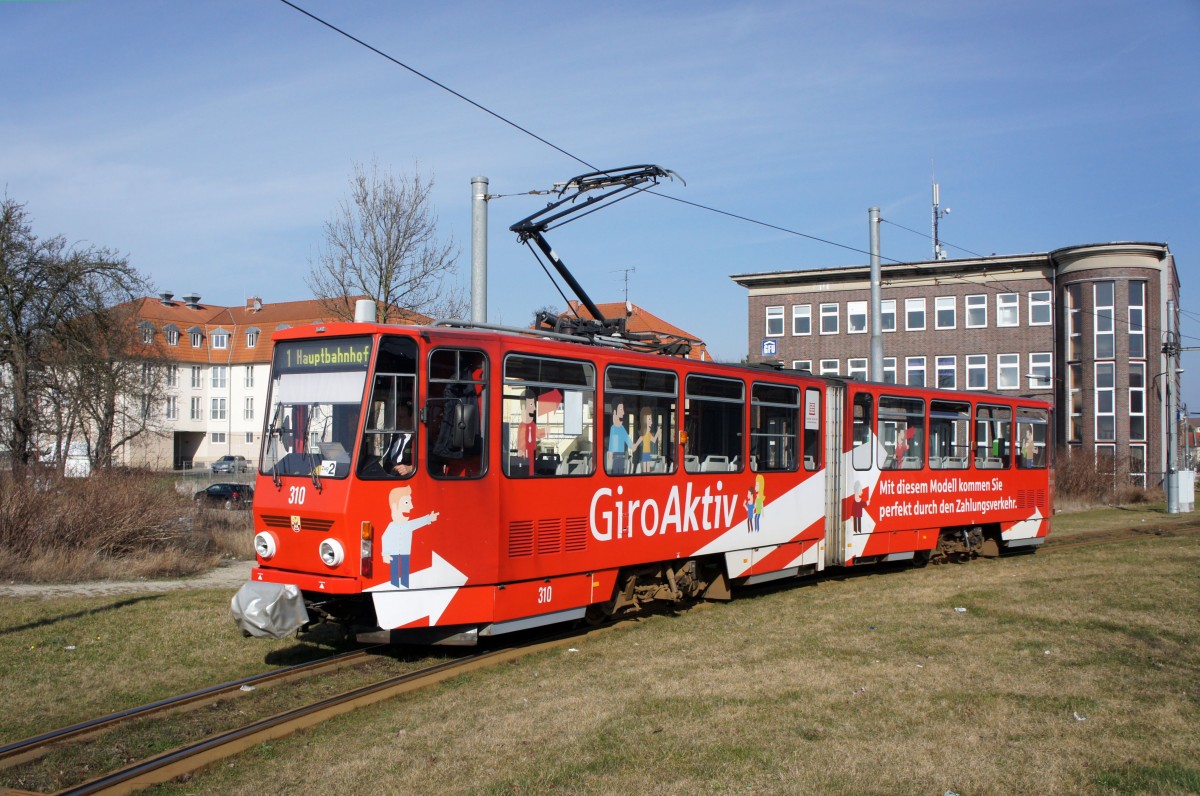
[[231, 464], [228, 496]]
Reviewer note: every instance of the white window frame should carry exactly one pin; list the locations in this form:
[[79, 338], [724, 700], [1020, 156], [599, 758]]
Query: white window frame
[[1105, 317], [856, 309], [801, 313], [197, 377], [1008, 371], [197, 408], [219, 409], [1137, 401], [972, 306], [249, 437], [249, 376], [975, 364], [1008, 310], [887, 315], [911, 306], [220, 377], [889, 370], [172, 408], [830, 367], [774, 318], [856, 368], [217, 437], [946, 364], [831, 313], [248, 409], [172, 375], [1040, 300], [945, 304], [172, 336], [912, 367], [1041, 370], [802, 364], [197, 339], [219, 340], [1105, 402], [251, 339], [1137, 477], [1137, 322]]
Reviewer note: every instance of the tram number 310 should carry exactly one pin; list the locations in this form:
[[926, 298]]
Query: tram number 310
[[296, 495], [545, 594]]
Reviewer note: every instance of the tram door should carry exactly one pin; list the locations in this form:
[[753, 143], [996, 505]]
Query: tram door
[[835, 529]]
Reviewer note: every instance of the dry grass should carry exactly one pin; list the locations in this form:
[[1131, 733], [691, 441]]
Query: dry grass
[[1057, 678], [112, 525]]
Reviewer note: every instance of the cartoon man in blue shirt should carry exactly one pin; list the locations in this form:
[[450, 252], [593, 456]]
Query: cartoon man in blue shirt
[[396, 543], [619, 440]]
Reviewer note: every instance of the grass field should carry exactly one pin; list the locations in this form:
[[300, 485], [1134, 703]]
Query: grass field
[[1067, 672]]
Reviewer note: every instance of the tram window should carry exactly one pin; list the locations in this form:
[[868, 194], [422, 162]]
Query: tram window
[[548, 416], [316, 395], [949, 435], [388, 448], [812, 429], [993, 437], [1032, 427], [861, 454], [774, 411], [639, 426], [454, 413], [902, 432], [713, 420]]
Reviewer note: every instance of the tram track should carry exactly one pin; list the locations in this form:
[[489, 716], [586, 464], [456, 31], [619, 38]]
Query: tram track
[[191, 757], [1095, 538]]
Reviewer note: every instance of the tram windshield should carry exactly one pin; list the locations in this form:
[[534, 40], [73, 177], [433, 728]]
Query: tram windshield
[[315, 400]]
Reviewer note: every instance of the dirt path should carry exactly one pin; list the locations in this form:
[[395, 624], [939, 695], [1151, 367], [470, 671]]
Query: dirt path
[[228, 575]]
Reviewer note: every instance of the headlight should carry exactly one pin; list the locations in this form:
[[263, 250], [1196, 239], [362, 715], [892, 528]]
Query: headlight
[[264, 545], [331, 552]]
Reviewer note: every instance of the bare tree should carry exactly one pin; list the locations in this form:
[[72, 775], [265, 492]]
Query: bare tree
[[382, 243], [47, 288]]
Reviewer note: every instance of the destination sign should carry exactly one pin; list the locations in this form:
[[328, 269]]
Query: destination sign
[[347, 353]]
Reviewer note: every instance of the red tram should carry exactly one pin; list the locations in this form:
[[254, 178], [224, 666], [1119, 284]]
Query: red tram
[[447, 482]]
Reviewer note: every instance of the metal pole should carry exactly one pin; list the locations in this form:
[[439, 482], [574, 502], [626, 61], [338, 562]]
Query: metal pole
[[1171, 349], [876, 300], [479, 186]]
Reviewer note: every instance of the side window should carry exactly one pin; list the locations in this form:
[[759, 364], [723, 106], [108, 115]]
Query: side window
[[713, 421], [455, 416], [864, 420], [949, 429], [388, 448], [774, 411], [1032, 427], [812, 429], [902, 431], [993, 437], [639, 421], [548, 417]]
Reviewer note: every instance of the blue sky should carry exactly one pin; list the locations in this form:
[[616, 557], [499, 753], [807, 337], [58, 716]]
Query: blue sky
[[209, 141]]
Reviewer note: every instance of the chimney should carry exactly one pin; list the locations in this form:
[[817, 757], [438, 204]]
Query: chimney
[[165, 298], [192, 300], [254, 304]]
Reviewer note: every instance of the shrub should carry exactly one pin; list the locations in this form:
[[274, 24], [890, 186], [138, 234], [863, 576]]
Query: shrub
[[113, 524], [1078, 481]]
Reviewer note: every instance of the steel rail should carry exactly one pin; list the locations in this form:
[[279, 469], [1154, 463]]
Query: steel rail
[[32, 748], [190, 758]]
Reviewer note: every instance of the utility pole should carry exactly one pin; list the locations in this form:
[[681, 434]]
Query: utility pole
[[479, 222], [876, 299]]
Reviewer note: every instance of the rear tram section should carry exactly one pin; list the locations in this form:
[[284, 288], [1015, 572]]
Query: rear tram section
[[447, 483]]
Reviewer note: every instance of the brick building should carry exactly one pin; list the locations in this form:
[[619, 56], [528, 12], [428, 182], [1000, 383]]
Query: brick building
[[1082, 326]]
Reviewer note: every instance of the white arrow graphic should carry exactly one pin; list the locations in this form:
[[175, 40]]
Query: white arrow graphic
[[430, 590]]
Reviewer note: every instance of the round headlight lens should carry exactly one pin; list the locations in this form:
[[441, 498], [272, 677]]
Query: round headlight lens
[[332, 553], [264, 545]]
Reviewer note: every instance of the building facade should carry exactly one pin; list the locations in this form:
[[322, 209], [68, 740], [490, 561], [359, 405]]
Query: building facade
[[1082, 326]]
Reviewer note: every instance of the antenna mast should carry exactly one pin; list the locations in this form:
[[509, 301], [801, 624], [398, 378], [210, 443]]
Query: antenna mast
[[938, 252]]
